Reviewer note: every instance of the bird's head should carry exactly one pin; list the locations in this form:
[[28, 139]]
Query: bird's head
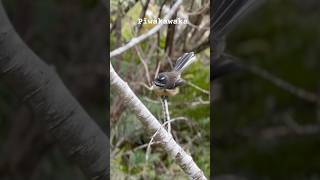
[[161, 80]]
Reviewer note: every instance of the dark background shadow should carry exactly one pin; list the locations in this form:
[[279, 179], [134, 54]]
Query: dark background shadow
[[71, 37], [265, 128]]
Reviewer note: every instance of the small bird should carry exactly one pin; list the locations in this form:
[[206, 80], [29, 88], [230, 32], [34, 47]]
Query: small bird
[[167, 83]]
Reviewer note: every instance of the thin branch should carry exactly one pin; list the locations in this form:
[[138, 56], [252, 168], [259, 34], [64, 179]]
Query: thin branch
[[154, 135], [167, 58], [276, 132], [169, 46], [201, 10], [143, 13], [262, 73], [297, 91], [198, 88], [144, 146], [198, 27], [149, 33], [158, 41], [200, 47], [200, 102], [145, 65], [183, 159], [165, 110]]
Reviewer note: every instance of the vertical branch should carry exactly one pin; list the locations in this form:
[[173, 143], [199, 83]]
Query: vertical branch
[[167, 114], [170, 36], [143, 14], [158, 40], [165, 110], [144, 63]]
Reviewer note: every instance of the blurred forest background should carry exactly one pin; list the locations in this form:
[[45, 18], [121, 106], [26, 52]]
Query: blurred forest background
[[263, 131], [71, 37], [138, 67]]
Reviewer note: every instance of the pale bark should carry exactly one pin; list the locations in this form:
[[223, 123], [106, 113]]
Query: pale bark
[[144, 36], [183, 159]]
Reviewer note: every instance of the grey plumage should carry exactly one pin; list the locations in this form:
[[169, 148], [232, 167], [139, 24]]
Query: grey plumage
[[170, 80], [184, 61]]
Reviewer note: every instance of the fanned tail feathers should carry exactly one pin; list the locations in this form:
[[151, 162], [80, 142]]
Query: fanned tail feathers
[[184, 61], [228, 13]]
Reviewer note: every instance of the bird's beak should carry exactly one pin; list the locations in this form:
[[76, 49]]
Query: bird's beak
[[159, 84]]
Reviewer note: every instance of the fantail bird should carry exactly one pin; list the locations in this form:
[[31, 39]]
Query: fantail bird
[[167, 83]]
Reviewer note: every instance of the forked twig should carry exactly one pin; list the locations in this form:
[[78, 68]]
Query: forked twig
[[154, 135]]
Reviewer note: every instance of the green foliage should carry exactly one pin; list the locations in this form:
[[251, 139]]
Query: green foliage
[[129, 21], [192, 134]]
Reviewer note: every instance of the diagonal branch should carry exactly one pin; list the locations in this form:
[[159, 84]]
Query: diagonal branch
[[262, 73], [183, 159], [142, 37], [39, 86]]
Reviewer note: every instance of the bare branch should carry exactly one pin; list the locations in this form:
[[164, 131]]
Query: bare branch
[[183, 159], [143, 13], [198, 88], [165, 110], [154, 135], [142, 37], [297, 91], [144, 63]]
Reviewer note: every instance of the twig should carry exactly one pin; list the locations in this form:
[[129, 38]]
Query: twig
[[143, 13], [151, 50], [142, 37], [114, 152], [142, 60], [200, 47], [201, 10], [183, 159], [144, 146], [198, 88], [167, 57], [165, 110], [159, 62], [299, 92], [275, 132], [169, 46], [146, 86], [200, 102], [198, 27], [154, 135], [158, 40]]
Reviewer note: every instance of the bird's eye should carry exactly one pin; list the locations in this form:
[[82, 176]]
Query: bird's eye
[[161, 78]]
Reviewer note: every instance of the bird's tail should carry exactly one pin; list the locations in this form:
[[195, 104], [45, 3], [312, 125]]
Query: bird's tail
[[227, 13], [184, 61]]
